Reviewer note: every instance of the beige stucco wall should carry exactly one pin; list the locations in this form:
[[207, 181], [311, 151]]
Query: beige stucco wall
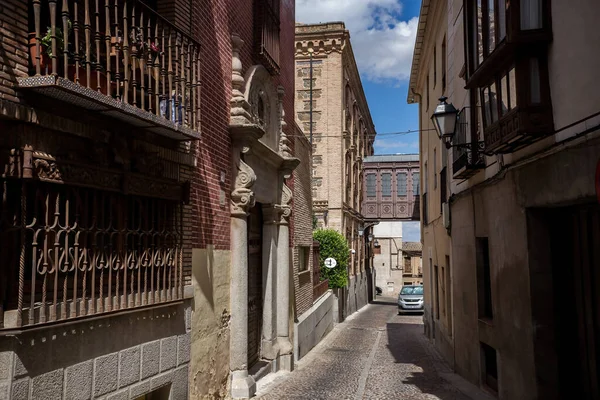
[[210, 323], [436, 242]]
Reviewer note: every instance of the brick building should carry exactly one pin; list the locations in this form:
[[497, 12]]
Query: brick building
[[131, 244], [342, 132]]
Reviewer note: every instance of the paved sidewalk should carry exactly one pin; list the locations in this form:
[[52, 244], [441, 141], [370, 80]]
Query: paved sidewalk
[[374, 354]]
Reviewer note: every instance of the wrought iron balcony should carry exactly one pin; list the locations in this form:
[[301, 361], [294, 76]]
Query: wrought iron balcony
[[116, 58], [467, 156]]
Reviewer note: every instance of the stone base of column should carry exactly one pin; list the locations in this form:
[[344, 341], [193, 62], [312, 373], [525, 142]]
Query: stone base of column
[[286, 362], [242, 385], [270, 349]]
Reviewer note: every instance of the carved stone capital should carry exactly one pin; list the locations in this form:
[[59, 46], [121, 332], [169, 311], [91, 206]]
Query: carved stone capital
[[285, 206], [242, 197]]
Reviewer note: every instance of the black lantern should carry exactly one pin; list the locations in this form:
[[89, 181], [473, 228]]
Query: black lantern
[[444, 119]]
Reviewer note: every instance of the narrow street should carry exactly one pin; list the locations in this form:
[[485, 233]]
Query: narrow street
[[375, 354]]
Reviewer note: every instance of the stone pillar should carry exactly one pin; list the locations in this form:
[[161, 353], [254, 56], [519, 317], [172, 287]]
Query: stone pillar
[[243, 134], [242, 199], [283, 282], [271, 215]]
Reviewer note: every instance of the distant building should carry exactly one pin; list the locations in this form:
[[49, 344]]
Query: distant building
[[391, 187], [339, 121]]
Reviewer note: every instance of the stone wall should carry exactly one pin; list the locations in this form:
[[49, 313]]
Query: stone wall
[[313, 325], [119, 357]]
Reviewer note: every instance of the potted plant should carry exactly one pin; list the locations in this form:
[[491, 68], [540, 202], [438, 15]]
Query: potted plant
[[46, 47]]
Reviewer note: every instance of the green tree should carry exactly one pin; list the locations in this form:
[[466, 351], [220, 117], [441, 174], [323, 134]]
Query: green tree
[[333, 244]]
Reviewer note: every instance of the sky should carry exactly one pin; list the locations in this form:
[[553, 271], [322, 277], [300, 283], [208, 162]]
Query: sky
[[382, 33]]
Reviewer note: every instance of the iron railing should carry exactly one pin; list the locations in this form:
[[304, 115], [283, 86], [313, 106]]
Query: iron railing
[[122, 49], [70, 252]]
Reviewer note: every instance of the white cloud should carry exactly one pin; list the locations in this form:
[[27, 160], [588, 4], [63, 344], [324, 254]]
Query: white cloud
[[411, 231], [392, 143], [382, 43]]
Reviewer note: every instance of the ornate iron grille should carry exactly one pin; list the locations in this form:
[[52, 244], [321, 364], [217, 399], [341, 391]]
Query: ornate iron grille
[[72, 252]]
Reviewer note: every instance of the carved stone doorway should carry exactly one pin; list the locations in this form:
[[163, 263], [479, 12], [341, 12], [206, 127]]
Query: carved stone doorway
[[255, 289]]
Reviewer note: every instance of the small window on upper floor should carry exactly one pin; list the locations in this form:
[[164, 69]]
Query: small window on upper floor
[[401, 183], [267, 27], [386, 185], [371, 185]]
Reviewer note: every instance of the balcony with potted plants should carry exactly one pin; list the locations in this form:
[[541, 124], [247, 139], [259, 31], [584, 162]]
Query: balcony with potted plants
[[118, 59]]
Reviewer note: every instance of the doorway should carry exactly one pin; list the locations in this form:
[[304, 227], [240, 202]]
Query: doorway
[[575, 249], [255, 298]]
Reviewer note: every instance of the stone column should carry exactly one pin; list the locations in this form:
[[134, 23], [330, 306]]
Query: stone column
[[242, 199], [243, 134], [283, 282], [271, 215]]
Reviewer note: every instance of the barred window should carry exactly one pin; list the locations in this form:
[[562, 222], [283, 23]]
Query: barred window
[[386, 185], [401, 182], [371, 185], [267, 25]]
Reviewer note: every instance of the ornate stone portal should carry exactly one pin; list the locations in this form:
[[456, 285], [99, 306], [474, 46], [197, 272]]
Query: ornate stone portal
[[261, 163]]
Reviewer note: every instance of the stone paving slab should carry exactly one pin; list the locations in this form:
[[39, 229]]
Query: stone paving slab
[[374, 354]]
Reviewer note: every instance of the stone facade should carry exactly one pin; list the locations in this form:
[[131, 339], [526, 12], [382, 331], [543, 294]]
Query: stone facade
[[342, 133], [85, 361], [518, 222]]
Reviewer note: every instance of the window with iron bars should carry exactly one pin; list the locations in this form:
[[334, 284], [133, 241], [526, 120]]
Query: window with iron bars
[[72, 252], [267, 26]]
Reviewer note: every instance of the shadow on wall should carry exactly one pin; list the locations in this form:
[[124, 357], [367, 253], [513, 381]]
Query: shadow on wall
[[55, 348]]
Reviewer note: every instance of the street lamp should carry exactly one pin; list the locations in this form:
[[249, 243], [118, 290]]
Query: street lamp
[[444, 119]]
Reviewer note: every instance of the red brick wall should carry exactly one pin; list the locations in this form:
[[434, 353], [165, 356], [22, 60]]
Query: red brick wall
[[303, 284], [14, 53], [216, 21]]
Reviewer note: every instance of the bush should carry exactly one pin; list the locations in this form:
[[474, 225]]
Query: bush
[[333, 244]]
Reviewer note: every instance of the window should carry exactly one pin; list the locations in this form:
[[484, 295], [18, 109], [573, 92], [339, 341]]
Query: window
[[443, 188], [489, 366], [436, 286], [444, 65], [448, 278], [508, 43], [386, 185], [401, 183], [371, 185], [484, 280], [303, 258], [415, 183], [442, 301], [434, 168], [434, 66], [427, 95], [267, 26]]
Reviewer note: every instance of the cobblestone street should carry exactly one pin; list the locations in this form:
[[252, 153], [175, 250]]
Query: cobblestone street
[[375, 354]]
